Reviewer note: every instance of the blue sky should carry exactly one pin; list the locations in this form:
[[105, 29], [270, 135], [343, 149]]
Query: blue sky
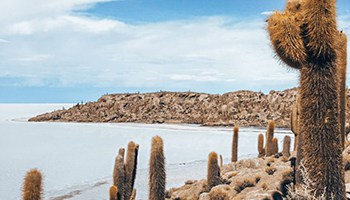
[[78, 50]]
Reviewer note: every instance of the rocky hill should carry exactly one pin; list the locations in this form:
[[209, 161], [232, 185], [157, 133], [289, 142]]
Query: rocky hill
[[246, 108]]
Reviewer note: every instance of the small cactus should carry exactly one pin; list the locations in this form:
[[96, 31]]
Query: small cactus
[[269, 136], [157, 173], [32, 189], [274, 146], [261, 149], [119, 175], [235, 144], [213, 175], [221, 161], [113, 193], [286, 146]]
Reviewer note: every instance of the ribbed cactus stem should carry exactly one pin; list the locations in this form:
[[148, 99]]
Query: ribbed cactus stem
[[341, 72], [275, 146], [286, 146], [213, 175], [32, 188], [113, 193], [235, 144], [261, 149], [130, 168], [157, 173], [119, 175], [269, 136]]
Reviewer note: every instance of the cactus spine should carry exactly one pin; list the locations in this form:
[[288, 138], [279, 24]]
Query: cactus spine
[[213, 175], [32, 188], [157, 173], [286, 146], [261, 149], [234, 144], [305, 38], [269, 136]]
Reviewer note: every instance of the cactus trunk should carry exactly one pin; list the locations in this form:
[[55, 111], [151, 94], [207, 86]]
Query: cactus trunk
[[235, 144], [157, 170]]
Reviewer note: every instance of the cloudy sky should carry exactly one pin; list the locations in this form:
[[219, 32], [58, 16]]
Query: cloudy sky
[[77, 50]]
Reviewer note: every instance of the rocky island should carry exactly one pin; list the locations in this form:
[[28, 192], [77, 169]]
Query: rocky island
[[244, 108]]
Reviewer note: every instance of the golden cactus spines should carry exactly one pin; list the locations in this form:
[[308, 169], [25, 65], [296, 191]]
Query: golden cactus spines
[[319, 138], [235, 144], [274, 146], [32, 188], [286, 146], [113, 193], [157, 173], [130, 168], [341, 72], [284, 30], [261, 149], [269, 136], [213, 174]]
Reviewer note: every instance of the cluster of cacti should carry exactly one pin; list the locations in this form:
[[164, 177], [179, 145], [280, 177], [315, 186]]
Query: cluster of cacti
[[32, 188], [124, 173], [305, 37], [157, 174], [235, 144], [213, 175], [271, 145]]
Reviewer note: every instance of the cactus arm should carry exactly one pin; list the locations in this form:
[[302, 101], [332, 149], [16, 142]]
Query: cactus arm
[[320, 30], [284, 31]]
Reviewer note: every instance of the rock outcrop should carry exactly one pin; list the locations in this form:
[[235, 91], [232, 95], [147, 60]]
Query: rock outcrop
[[244, 108]]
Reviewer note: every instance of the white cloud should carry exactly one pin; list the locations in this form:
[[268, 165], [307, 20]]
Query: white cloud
[[267, 13], [51, 46]]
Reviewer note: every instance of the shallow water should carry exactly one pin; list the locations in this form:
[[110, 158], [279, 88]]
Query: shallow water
[[77, 158]]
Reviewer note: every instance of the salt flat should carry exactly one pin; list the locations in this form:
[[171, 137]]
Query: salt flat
[[77, 158]]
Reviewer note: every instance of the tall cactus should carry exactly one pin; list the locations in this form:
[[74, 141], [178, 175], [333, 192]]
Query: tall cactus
[[130, 168], [269, 137], [213, 175], [261, 149], [32, 188], [305, 38], [157, 173], [235, 144]]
